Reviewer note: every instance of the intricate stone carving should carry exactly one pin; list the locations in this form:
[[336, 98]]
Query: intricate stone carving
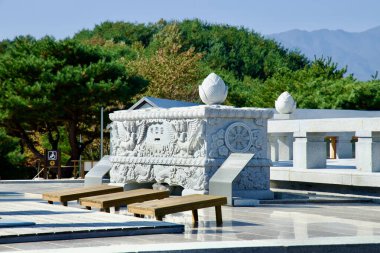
[[213, 90], [164, 138], [193, 112], [285, 103], [185, 146], [257, 143], [218, 148], [190, 137], [252, 178], [187, 177], [238, 137]]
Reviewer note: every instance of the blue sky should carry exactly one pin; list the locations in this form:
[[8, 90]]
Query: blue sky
[[63, 18]]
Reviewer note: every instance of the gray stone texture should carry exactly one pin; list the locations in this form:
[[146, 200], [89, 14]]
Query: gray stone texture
[[185, 146], [367, 151], [309, 150]]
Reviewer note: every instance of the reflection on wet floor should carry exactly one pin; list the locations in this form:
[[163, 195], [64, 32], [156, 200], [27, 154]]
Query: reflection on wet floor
[[295, 222], [272, 221]]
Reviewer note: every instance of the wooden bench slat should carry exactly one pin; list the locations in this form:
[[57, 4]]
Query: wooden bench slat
[[83, 189], [76, 193], [160, 208], [178, 203], [123, 198], [80, 189]]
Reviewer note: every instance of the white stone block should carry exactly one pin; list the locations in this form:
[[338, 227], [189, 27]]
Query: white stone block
[[367, 151], [309, 151], [185, 146]]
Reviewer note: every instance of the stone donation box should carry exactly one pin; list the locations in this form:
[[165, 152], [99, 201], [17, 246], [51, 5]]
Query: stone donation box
[[184, 146]]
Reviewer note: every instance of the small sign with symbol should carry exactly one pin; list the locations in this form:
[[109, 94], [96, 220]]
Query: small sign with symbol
[[52, 155], [52, 158]]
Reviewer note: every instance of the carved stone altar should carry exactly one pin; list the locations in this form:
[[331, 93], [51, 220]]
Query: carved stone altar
[[185, 146]]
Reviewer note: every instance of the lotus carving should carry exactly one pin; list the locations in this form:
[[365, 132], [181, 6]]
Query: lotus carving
[[285, 103], [213, 90]]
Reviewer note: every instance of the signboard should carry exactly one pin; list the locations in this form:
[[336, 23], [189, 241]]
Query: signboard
[[52, 158], [222, 180]]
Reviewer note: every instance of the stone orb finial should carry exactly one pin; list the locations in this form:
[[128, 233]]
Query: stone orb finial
[[285, 103], [213, 90]]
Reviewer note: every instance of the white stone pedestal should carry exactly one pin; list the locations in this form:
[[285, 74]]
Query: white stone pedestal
[[367, 151], [344, 145], [309, 150], [185, 146], [281, 146]]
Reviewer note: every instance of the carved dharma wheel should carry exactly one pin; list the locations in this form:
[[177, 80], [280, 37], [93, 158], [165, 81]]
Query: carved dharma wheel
[[238, 137]]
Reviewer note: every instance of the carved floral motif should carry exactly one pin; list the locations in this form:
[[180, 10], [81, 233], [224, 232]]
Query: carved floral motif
[[285, 103], [213, 90], [252, 178], [159, 146], [187, 177], [238, 137], [165, 138]]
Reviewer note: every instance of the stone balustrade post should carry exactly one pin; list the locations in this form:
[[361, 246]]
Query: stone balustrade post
[[285, 147], [309, 150], [367, 151], [344, 145], [280, 146], [273, 147]]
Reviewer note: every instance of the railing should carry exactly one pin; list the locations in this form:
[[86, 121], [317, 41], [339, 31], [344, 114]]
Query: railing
[[303, 141], [79, 169]]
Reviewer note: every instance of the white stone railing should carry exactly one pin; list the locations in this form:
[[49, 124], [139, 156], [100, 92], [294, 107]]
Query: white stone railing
[[303, 141]]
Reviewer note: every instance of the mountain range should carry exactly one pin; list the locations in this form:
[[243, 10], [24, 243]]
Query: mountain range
[[359, 51]]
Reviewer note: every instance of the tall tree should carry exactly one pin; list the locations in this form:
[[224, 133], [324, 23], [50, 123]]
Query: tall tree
[[47, 84], [10, 156], [172, 72]]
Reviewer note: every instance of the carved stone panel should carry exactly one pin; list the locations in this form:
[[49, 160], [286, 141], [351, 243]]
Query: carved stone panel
[[185, 146], [238, 137]]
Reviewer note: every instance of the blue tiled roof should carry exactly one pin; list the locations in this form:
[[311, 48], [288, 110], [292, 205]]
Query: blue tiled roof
[[160, 103]]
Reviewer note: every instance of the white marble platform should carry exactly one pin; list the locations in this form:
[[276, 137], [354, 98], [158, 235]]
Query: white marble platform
[[318, 228], [337, 171], [54, 222]]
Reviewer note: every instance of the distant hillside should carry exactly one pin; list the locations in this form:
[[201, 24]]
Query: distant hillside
[[359, 51], [237, 50]]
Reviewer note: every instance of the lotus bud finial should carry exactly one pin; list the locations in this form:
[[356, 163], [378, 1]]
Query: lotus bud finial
[[213, 90], [285, 103]]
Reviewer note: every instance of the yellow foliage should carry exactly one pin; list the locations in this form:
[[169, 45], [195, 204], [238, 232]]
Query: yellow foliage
[[172, 73]]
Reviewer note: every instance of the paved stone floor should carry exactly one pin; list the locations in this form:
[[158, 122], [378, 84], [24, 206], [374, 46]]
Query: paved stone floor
[[271, 224]]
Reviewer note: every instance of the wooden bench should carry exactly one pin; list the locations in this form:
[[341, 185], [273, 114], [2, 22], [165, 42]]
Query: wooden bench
[[160, 208], [104, 202], [75, 193]]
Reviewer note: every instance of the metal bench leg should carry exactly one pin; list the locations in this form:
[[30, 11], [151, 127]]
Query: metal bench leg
[[50, 202], [88, 207], [218, 212], [195, 215]]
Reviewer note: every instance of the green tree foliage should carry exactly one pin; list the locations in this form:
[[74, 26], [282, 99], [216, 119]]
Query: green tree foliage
[[238, 54], [128, 33], [10, 156], [238, 50], [52, 90], [243, 52], [172, 72], [48, 84]]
